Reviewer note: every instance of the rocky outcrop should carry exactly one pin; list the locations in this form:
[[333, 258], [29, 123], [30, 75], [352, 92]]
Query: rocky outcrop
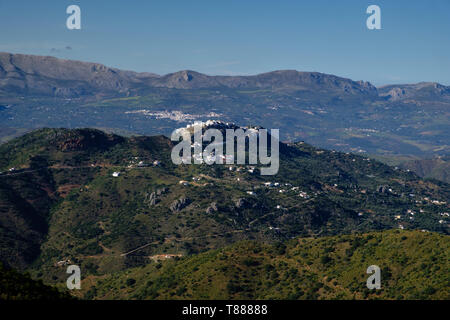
[[150, 199], [153, 198], [212, 208], [383, 189], [241, 203], [179, 204]]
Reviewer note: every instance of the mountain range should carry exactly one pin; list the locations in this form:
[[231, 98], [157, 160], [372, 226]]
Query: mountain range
[[103, 193], [67, 78], [406, 122]]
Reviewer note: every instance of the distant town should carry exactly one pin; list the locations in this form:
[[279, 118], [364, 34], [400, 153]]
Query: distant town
[[174, 115]]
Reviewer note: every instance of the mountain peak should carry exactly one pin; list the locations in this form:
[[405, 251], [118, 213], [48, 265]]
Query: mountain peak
[[414, 91]]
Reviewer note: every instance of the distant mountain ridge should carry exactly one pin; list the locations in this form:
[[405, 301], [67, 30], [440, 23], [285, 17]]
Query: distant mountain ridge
[[68, 78], [437, 168], [292, 79], [422, 89], [59, 77]]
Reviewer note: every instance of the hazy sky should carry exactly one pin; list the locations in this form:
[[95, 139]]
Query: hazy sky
[[240, 36]]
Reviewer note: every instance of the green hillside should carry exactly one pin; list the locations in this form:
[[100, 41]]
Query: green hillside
[[414, 265], [438, 168], [17, 286], [62, 203]]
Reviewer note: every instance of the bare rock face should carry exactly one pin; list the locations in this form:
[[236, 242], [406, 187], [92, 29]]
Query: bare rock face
[[397, 93], [153, 198], [243, 203], [150, 199], [418, 91], [212, 208], [161, 191], [179, 204], [240, 203]]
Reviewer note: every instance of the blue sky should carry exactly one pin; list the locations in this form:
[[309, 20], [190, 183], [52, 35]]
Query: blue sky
[[240, 36]]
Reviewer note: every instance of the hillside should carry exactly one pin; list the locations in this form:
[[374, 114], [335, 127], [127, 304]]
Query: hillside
[[28, 74], [16, 286], [325, 110], [421, 91], [438, 168], [61, 203], [414, 265]]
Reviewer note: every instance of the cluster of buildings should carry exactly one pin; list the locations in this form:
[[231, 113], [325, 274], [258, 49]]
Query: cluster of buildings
[[436, 202], [184, 183], [217, 124], [136, 163], [285, 187], [174, 115], [212, 158], [62, 263], [444, 215]]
